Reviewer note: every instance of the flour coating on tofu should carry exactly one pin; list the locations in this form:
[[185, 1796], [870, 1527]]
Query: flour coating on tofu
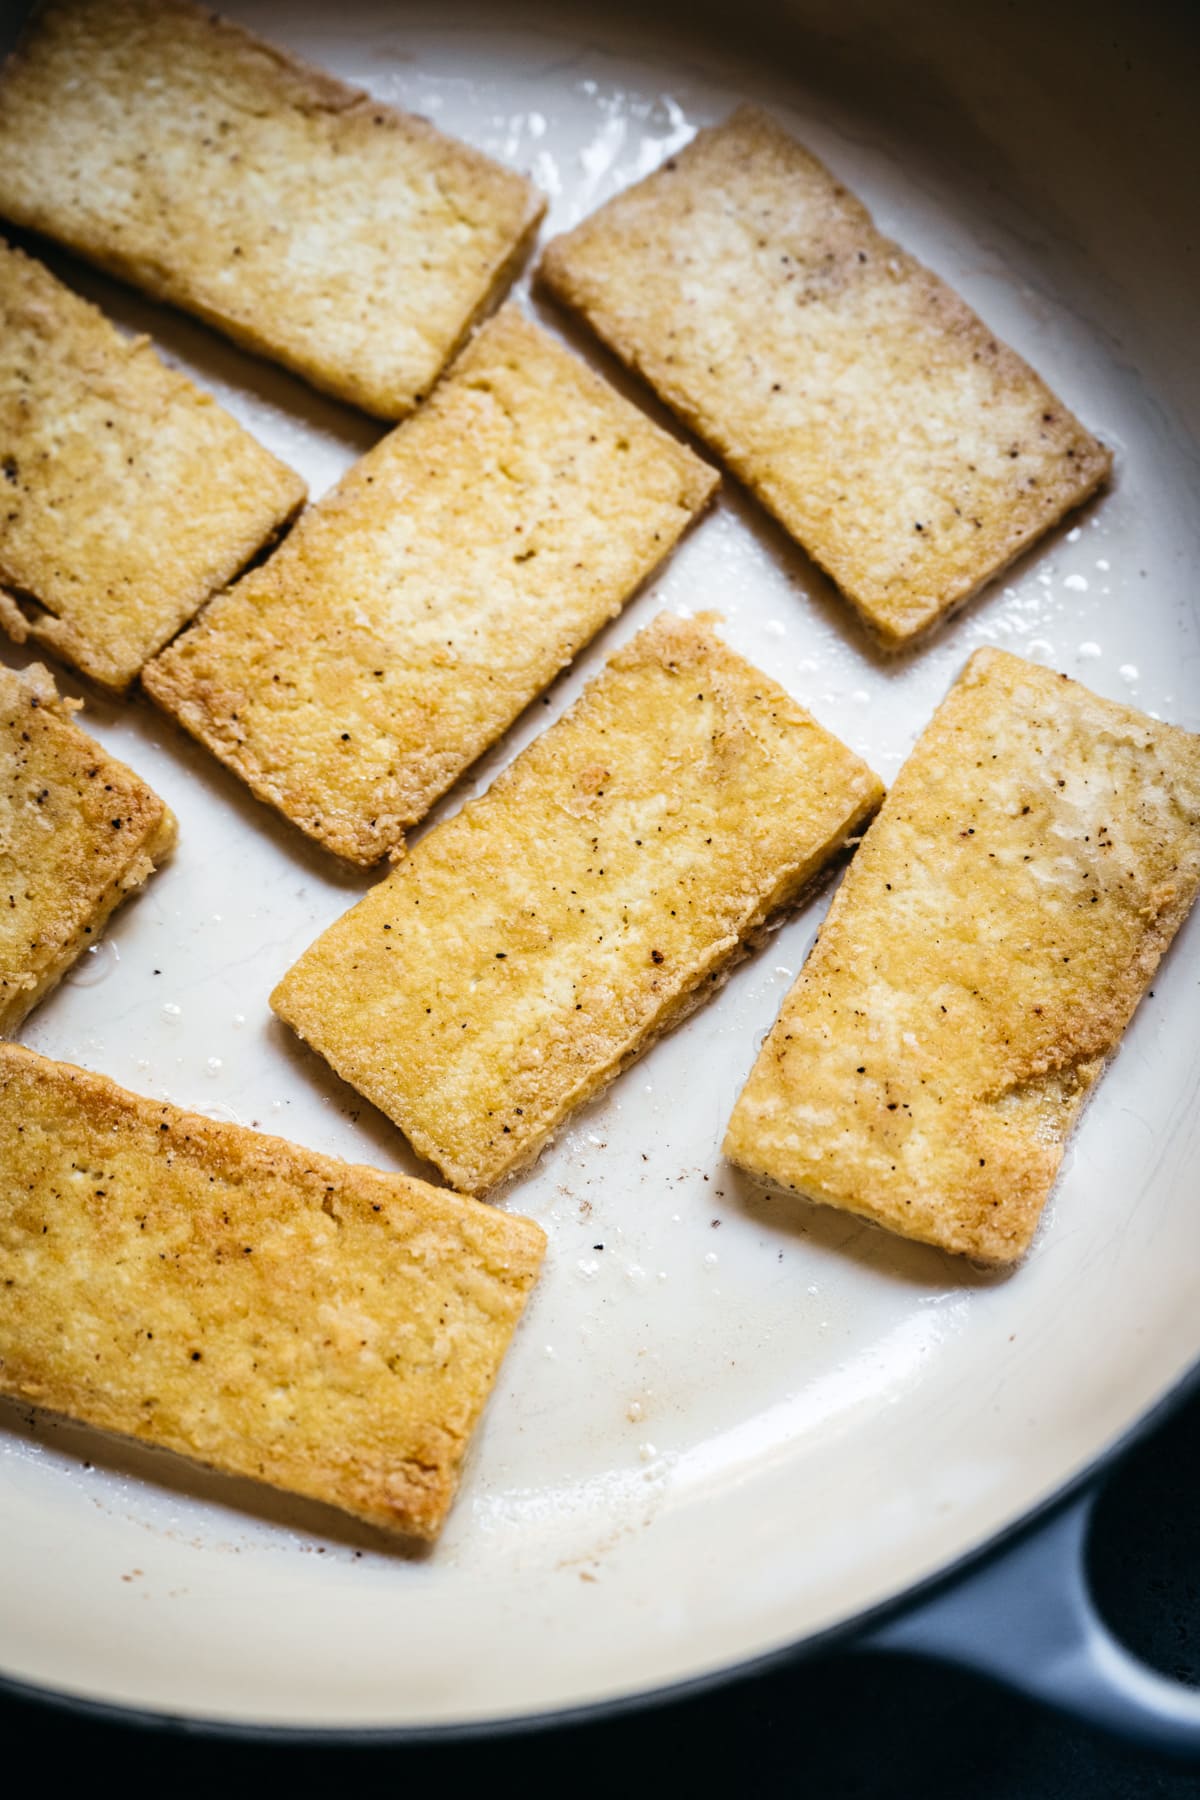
[[318, 1326], [417, 609], [529, 948], [980, 961], [127, 496], [909, 451], [353, 243], [79, 833]]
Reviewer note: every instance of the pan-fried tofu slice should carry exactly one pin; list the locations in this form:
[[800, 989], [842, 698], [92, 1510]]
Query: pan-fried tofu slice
[[127, 496], [318, 1326], [531, 947], [416, 610], [910, 452], [1037, 854], [79, 832], [350, 242]]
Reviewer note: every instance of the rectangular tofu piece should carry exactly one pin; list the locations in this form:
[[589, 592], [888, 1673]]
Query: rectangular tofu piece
[[127, 496], [79, 832], [419, 607], [350, 242], [531, 947], [324, 1328], [907, 450], [980, 961]]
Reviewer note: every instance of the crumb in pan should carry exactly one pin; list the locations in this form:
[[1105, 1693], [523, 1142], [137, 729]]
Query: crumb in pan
[[980, 961], [531, 947]]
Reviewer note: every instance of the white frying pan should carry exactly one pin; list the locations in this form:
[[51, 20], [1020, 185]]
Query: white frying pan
[[730, 1424]]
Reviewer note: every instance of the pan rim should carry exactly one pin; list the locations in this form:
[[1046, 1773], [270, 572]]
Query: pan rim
[[961, 1568]]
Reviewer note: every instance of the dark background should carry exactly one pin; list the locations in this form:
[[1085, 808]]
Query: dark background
[[841, 1726]]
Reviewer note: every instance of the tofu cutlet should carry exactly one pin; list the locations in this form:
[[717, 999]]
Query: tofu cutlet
[[312, 223], [415, 610], [910, 452], [531, 947], [322, 1327], [985, 952], [79, 833], [127, 495]]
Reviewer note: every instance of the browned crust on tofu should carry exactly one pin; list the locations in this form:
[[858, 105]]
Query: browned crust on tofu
[[531, 947], [127, 495], [355, 244], [1000, 922], [910, 452], [322, 1327], [79, 833], [418, 608]]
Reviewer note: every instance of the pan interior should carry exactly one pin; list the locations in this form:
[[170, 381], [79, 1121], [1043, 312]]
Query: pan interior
[[729, 1421]]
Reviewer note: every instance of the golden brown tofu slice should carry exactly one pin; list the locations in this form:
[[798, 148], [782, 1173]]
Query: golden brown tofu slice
[[531, 947], [417, 609], [79, 832], [350, 242], [321, 1327], [906, 449], [127, 496], [996, 929]]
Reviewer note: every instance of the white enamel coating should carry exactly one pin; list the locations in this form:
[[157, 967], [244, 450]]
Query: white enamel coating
[[729, 1421]]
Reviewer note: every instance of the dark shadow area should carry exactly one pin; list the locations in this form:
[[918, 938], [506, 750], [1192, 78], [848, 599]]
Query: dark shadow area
[[13, 16], [1144, 1552]]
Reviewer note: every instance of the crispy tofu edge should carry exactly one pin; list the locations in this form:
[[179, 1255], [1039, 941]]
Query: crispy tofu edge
[[148, 858], [706, 980], [896, 642], [338, 837], [487, 1181]]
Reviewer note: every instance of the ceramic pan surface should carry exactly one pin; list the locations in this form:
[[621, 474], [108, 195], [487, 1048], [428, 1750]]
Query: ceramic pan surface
[[729, 1421]]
